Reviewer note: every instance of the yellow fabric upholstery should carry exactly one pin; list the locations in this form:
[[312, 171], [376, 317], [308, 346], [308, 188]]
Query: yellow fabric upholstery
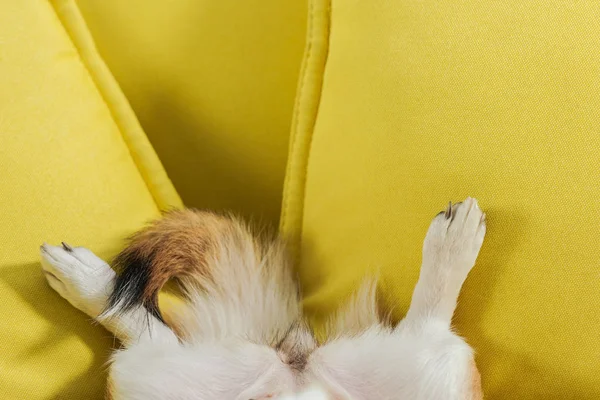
[[213, 84], [408, 105], [74, 166], [401, 107]]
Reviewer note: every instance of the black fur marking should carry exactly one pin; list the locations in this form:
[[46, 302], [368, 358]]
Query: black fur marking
[[134, 274], [448, 212], [67, 247]]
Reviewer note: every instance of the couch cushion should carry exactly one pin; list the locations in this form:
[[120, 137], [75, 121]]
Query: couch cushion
[[213, 84], [74, 166], [407, 105]]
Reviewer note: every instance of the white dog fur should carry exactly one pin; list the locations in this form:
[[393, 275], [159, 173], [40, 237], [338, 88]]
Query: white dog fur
[[241, 336]]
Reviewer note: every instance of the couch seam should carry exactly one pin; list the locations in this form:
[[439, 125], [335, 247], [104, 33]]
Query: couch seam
[[162, 200], [301, 86], [296, 175]]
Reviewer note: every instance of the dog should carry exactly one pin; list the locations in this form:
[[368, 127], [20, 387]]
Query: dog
[[241, 335]]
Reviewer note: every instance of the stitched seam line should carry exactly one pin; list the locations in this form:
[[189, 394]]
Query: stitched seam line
[[297, 105], [159, 187], [312, 72]]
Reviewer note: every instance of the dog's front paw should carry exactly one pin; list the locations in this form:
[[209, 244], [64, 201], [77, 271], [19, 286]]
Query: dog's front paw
[[455, 238], [78, 275]]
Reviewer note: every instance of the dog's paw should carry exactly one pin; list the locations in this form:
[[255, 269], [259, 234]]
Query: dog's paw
[[78, 275], [455, 238]]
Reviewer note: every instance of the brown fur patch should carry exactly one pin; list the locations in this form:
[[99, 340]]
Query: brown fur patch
[[178, 245]]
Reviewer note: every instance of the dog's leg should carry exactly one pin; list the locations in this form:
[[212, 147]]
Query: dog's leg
[[449, 252], [86, 282], [422, 359], [450, 249]]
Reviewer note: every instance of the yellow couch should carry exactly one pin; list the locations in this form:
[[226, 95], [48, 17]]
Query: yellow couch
[[394, 108]]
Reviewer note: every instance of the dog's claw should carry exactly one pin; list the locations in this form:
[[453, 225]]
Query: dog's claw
[[66, 247], [448, 212]]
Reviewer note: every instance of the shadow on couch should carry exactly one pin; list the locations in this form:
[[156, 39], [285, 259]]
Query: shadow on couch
[[66, 324]]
